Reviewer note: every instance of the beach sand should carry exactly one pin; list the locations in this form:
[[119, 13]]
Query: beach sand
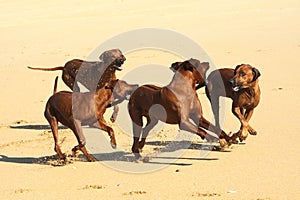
[[49, 33]]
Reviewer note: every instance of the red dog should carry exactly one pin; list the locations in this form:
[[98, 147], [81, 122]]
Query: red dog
[[241, 85], [179, 100], [77, 109]]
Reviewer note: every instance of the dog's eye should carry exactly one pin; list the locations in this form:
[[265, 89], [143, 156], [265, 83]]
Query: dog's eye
[[242, 74]]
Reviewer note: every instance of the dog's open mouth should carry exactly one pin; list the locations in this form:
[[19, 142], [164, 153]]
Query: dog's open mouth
[[118, 64], [236, 88], [118, 67], [127, 97]]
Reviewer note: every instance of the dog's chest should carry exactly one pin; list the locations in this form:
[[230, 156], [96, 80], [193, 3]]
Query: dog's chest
[[248, 100]]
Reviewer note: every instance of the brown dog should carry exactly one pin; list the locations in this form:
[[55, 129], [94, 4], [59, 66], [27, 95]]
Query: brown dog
[[241, 85], [77, 109], [89, 73], [175, 103], [92, 75]]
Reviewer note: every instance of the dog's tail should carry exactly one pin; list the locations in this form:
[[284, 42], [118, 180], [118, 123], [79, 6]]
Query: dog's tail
[[46, 69], [55, 85]]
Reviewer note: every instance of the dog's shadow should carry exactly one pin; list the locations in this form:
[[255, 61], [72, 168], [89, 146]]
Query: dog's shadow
[[157, 157], [45, 160], [168, 152], [34, 126]]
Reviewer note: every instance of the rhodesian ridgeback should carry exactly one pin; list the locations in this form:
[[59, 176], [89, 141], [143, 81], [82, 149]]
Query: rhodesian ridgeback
[[77, 109], [178, 103], [92, 75], [241, 85]]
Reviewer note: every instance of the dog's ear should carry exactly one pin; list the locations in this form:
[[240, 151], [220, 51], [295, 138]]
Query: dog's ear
[[175, 66], [103, 56], [236, 68], [205, 65], [188, 66], [111, 85], [256, 74]]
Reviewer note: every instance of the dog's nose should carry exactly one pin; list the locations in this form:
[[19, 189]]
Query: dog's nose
[[120, 61], [231, 81]]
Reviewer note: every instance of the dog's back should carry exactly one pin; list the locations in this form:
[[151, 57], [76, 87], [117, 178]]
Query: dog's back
[[144, 96], [218, 83]]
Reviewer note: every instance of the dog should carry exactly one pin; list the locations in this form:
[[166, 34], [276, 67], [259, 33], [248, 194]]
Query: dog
[[241, 85], [77, 109], [92, 75], [178, 103]]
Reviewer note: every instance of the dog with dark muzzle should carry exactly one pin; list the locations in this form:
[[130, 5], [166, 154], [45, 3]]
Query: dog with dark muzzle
[[92, 75]]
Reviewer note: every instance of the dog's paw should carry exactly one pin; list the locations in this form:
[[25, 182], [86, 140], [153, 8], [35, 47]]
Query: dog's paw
[[62, 156], [251, 131], [146, 159], [235, 141], [91, 158], [113, 143], [223, 143], [114, 146], [138, 158], [112, 119]]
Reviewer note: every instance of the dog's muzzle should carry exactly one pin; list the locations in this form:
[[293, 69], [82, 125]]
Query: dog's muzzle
[[234, 86], [120, 61], [118, 64]]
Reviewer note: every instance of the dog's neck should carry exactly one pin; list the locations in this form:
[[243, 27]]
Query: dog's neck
[[253, 91], [183, 81], [108, 74]]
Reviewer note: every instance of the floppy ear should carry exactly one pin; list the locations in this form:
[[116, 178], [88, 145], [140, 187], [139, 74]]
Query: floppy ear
[[188, 66], [256, 74], [205, 65], [175, 66], [236, 68], [111, 85], [102, 56]]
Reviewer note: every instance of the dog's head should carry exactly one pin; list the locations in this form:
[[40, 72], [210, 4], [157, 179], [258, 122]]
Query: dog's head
[[245, 76], [121, 89], [195, 66], [113, 58]]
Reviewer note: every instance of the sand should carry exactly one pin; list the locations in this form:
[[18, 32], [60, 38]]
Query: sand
[[49, 33]]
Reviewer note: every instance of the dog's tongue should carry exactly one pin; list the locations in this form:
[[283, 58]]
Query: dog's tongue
[[120, 67], [236, 88], [127, 97]]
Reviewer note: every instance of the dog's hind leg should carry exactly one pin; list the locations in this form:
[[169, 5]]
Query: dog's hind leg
[[137, 126], [215, 105], [151, 122], [214, 102], [54, 127]]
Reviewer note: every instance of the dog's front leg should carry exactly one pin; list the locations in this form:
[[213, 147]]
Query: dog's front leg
[[188, 126], [243, 132], [114, 114], [81, 141], [101, 124], [248, 115]]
